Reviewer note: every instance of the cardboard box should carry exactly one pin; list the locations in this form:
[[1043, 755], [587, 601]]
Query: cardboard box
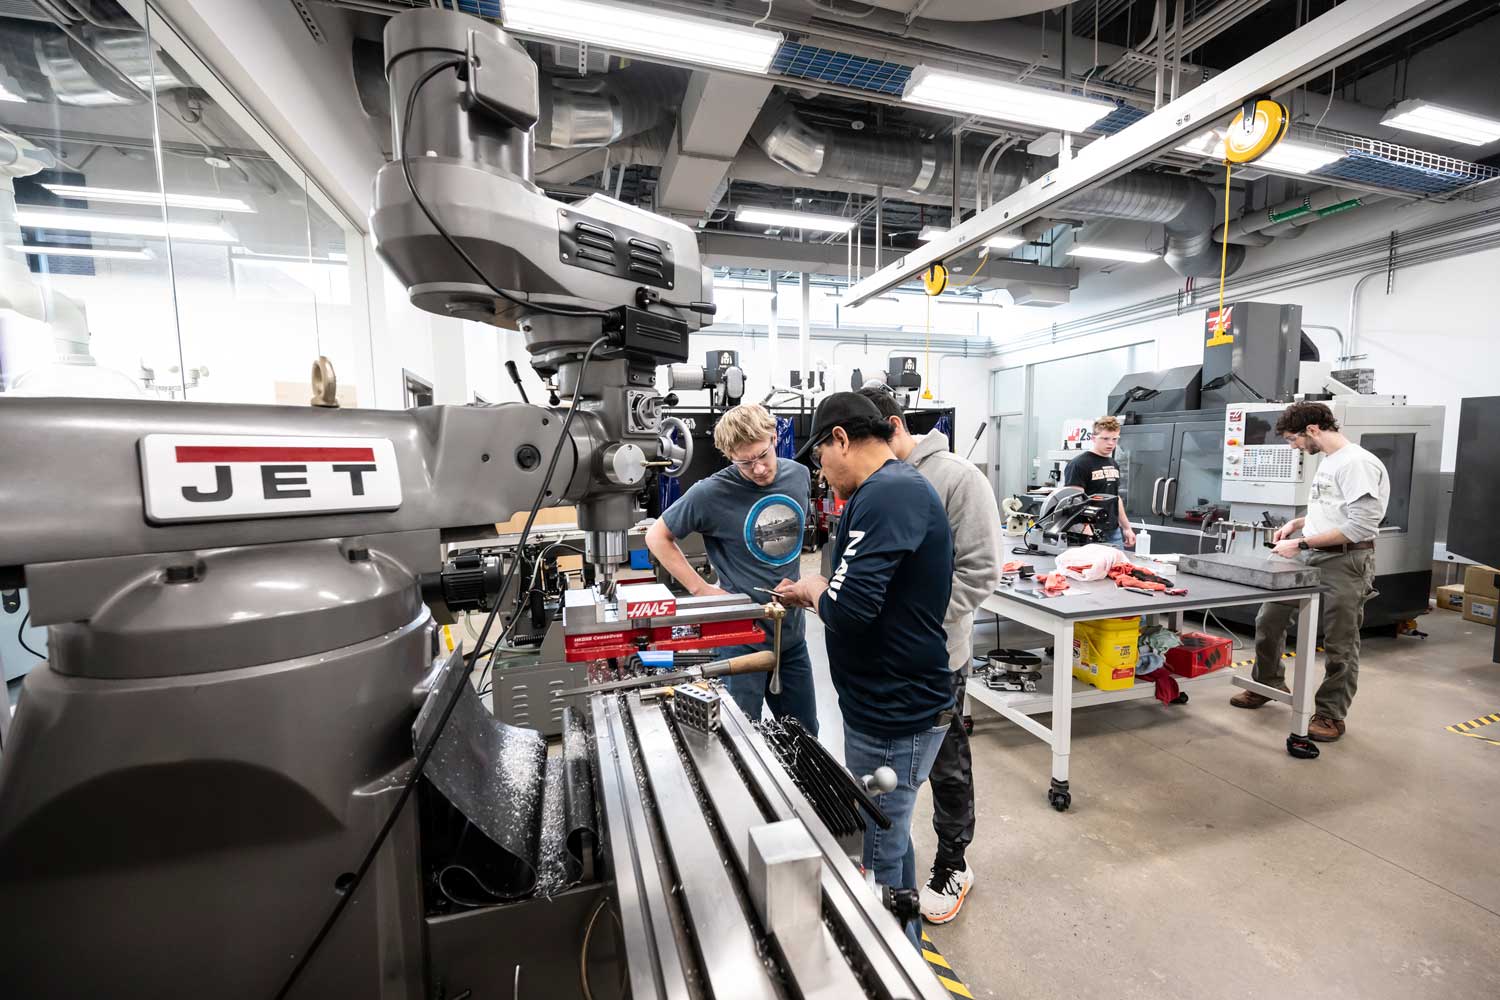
[[1479, 581], [1451, 597], [1480, 609]]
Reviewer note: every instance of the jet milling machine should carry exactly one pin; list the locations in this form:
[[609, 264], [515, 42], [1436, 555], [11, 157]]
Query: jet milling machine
[[246, 770]]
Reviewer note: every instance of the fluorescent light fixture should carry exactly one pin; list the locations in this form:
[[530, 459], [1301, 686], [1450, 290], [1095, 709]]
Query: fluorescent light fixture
[[1113, 253], [1445, 123], [103, 253], [974, 95], [641, 30], [994, 242], [119, 225], [122, 197], [810, 221], [1286, 156]]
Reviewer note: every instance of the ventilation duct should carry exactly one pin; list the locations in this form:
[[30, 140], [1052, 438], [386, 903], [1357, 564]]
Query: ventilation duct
[[1184, 207], [600, 110], [896, 163], [91, 67]]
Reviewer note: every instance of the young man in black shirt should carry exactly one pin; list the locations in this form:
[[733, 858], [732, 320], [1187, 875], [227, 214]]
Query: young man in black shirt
[[882, 616], [1096, 471]]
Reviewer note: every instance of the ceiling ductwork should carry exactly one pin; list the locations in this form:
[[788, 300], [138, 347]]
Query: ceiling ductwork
[[1183, 206], [43, 64], [600, 110], [896, 162]]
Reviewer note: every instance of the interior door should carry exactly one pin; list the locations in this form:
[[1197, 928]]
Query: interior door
[[1196, 482], [1145, 457], [1008, 465]]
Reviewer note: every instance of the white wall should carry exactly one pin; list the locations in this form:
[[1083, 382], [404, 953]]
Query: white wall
[[1433, 338]]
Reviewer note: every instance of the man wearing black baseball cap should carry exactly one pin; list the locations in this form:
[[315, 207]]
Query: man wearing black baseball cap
[[882, 616]]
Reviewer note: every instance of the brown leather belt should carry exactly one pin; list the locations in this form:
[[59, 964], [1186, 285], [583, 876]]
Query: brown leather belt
[[1346, 547]]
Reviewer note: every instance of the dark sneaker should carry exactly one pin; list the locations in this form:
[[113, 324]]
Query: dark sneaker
[[1249, 699], [1325, 730], [944, 894]]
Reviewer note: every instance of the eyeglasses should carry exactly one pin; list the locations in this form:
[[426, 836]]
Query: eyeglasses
[[814, 454], [751, 463]]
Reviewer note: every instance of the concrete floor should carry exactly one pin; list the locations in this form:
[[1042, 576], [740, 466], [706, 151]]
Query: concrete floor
[[1200, 861]]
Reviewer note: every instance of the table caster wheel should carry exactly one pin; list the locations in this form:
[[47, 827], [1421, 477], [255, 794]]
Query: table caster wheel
[[1058, 796], [1181, 699], [1301, 747], [969, 724]]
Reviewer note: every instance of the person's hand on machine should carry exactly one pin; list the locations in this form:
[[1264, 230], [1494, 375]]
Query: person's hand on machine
[[1285, 546], [803, 593]]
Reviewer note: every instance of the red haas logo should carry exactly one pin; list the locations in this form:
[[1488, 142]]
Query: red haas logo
[[650, 609]]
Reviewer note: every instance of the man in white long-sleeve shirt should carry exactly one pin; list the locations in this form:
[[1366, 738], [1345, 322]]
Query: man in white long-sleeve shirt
[[1350, 492]]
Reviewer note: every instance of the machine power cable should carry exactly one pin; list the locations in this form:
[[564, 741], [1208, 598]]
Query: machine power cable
[[21, 637], [426, 752], [459, 65]]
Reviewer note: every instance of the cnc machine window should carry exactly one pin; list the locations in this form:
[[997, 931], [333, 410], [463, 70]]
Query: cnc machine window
[[1396, 452]]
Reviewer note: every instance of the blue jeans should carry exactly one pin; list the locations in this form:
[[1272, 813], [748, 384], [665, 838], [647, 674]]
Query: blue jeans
[[1115, 538], [889, 854], [798, 697]]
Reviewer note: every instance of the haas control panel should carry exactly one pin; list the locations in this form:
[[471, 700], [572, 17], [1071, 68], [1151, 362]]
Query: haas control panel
[[1258, 465]]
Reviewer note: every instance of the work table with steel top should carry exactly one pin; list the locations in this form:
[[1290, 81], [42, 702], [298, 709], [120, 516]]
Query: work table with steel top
[[1057, 616]]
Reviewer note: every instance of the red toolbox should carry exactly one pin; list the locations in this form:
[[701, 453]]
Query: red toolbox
[[1200, 653]]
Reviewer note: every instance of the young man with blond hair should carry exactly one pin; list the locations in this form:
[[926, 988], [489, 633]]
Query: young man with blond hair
[[1096, 471], [751, 516]]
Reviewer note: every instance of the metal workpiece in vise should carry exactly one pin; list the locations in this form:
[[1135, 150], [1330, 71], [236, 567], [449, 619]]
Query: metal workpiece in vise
[[775, 612]]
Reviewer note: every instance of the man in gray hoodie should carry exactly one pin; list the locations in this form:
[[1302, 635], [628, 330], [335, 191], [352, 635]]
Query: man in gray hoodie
[[974, 520]]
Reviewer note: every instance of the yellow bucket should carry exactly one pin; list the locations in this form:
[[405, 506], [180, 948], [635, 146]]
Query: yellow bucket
[[1105, 652]]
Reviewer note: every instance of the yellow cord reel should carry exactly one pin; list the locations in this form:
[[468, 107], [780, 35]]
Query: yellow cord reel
[[935, 279], [1258, 126]]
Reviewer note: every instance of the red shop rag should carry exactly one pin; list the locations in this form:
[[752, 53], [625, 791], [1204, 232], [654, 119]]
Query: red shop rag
[[1166, 685]]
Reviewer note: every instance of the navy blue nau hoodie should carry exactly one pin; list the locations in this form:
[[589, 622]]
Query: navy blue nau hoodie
[[883, 610]]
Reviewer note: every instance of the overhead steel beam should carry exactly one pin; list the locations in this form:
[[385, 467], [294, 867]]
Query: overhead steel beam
[[1343, 32]]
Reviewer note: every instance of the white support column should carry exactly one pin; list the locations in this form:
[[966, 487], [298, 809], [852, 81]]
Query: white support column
[[804, 332], [773, 364]]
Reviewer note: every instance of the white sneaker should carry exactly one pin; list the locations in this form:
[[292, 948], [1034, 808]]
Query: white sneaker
[[944, 894]]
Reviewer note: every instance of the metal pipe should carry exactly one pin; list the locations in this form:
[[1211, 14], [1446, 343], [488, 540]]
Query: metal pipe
[[1336, 332], [804, 332], [771, 327], [1177, 46], [1157, 30], [958, 164], [1353, 320], [880, 218]]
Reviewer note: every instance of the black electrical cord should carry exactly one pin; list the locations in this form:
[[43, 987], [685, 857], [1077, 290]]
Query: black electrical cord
[[426, 751], [411, 102], [21, 637]]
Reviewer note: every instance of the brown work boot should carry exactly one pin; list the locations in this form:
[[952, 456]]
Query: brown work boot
[[1325, 730], [1249, 699]]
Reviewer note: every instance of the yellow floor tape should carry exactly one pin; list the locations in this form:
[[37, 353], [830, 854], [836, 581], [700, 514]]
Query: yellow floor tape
[[1470, 728], [935, 958]]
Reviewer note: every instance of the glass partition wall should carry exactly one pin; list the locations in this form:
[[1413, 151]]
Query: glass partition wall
[[149, 246]]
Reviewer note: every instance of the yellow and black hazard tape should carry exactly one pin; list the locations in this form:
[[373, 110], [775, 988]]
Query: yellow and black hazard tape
[[943, 970], [1285, 656], [1473, 727]]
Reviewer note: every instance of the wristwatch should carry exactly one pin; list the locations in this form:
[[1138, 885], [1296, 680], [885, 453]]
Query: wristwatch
[[1302, 544]]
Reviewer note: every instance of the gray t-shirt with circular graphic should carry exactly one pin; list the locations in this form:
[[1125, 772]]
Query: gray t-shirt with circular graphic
[[753, 534]]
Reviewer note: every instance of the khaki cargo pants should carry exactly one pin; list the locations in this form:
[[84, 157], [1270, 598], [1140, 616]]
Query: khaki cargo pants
[[1347, 583]]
